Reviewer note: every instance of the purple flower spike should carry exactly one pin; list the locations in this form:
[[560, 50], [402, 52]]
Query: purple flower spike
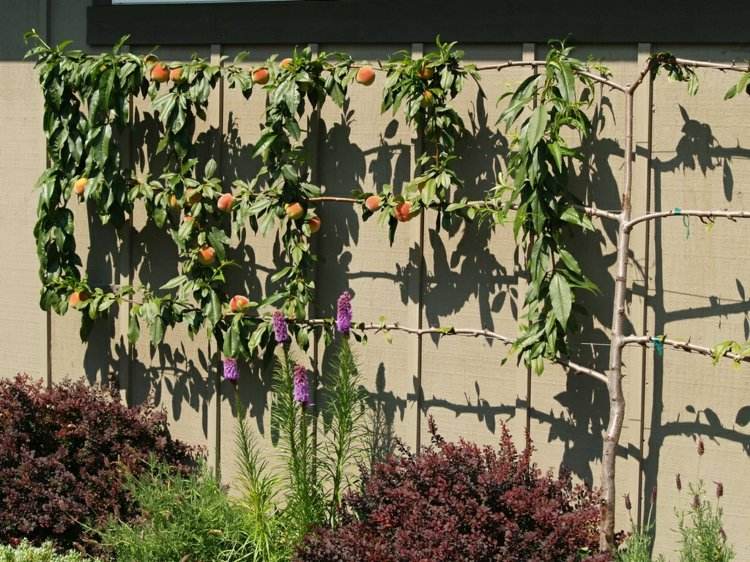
[[344, 313], [280, 329], [301, 386], [231, 370]]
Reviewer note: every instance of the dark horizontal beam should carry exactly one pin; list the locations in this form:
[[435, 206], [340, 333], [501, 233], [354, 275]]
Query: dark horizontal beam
[[407, 21]]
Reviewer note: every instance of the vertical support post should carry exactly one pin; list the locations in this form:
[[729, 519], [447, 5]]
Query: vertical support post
[[124, 263], [417, 51], [314, 143], [44, 30], [528, 54], [644, 51], [216, 115], [611, 436]]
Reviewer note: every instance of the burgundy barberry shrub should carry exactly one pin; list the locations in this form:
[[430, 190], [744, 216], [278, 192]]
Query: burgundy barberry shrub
[[63, 453], [459, 502]]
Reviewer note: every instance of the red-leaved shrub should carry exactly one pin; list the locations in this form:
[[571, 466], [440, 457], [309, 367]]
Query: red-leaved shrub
[[62, 456], [459, 502]]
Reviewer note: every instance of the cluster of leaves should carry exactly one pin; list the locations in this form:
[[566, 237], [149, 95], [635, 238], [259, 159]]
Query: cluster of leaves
[[425, 87], [742, 85], [62, 458], [80, 145], [281, 192], [459, 502], [739, 351], [283, 509], [180, 517], [548, 106], [675, 70]]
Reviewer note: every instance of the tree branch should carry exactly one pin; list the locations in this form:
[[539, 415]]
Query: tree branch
[[591, 211], [449, 331], [682, 346], [535, 63], [720, 214], [733, 67]]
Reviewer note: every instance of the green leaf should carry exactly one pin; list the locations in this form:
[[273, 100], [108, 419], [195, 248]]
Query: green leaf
[[256, 337], [215, 309], [570, 261], [134, 329], [157, 330], [264, 143], [536, 126], [561, 298], [174, 282]]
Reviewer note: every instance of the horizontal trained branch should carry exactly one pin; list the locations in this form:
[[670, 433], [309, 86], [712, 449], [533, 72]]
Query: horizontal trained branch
[[711, 214], [732, 67], [466, 332], [591, 211], [681, 345]]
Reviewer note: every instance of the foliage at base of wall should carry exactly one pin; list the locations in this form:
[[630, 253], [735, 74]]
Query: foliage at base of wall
[[459, 502], [179, 516], [26, 552], [63, 452]]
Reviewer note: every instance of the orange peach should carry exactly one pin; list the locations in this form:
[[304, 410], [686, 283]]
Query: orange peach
[[366, 75], [403, 211], [159, 72], [225, 203], [207, 255], [427, 98], [314, 224], [77, 297], [286, 63], [175, 74], [373, 203], [80, 185], [174, 203], [260, 76], [295, 211], [239, 303]]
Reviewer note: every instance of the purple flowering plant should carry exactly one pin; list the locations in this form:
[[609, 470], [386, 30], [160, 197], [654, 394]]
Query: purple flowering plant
[[280, 327], [301, 385], [344, 313], [231, 370]]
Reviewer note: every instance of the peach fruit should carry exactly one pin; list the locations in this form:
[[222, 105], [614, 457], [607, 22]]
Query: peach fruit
[[80, 186], [260, 76], [366, 75], [225, 203], [239, 303], [295, 211], [207, 255], [373, 203], [403, 211], [159, 72]]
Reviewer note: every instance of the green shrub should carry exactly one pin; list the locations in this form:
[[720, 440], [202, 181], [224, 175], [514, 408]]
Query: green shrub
[[182, 518], [702, 534], [25, 552]]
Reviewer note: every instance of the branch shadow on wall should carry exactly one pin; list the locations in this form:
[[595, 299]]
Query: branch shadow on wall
[[696, 150]]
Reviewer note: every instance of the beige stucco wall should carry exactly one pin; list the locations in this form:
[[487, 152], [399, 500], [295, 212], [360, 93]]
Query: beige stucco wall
[[697, 279]]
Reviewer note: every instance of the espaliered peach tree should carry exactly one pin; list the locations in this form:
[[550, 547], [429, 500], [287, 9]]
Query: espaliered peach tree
[[87, 101]]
